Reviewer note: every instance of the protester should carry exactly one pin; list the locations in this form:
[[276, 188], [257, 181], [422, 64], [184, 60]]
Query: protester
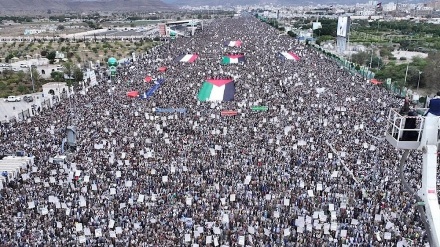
[[260, 178]]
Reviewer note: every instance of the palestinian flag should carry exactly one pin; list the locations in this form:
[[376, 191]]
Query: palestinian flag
[[187, 58], [217, 90], [289, 56], [233, 43], [228, 59]]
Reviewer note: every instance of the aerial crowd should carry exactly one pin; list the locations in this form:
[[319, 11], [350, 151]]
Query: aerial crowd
[[311, 169]]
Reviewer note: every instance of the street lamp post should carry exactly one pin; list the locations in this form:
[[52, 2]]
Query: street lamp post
[[418, 82], [32, 78]]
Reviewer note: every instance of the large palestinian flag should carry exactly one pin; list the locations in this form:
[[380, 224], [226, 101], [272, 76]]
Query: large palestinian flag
[[187, 58], [228, 59], [236, 43], [217, 90], [289, 56]]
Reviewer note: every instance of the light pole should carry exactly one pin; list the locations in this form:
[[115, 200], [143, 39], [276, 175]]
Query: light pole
[[418, 82], [406, 72], [32, 78]]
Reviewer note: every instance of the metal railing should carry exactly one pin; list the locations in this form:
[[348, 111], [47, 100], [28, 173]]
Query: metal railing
[[396, 124]]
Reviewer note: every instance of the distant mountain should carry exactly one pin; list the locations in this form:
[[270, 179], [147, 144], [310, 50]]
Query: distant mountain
[[29, 5], [210, 3], [234, 2], [280, 2], [118, 5], [83, 5]]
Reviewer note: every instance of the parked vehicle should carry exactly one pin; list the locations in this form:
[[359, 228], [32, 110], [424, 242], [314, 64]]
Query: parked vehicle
[[13, 99], [28, 98]]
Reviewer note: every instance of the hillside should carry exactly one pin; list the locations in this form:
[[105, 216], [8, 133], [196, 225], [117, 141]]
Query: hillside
[[280, 2], [11, 6]]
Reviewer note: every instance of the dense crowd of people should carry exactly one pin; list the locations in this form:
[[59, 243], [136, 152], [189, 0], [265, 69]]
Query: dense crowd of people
[[261, 178]]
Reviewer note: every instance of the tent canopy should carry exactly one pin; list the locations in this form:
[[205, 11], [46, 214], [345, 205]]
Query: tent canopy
[[162, 69]]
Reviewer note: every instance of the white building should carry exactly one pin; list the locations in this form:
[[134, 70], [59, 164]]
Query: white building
[[59, 55], [434, 20], [33, 31], [365, 12], [42, 65], [388, 7], [55, 89]]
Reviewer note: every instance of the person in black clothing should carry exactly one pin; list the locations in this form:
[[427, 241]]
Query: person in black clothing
[[405, 109], [434, 105], [410, 123]]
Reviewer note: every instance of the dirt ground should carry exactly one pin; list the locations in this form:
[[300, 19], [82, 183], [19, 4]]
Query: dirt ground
[[76, 51], [16, 30]]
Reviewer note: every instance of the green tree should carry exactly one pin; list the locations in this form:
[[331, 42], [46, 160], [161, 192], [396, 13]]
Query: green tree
[[376, 62], [431, 72], [291, 34], [57, 76], [78, 75], [361, 58], [35, 76], [323, 38], [68, 68], [412, 76], [51, 56], [78, 58], [384, 52], [7, 74], [9, 57], [22, 88], [419, 62]]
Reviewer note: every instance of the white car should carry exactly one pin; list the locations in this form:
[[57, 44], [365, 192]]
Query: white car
[[13, 99]]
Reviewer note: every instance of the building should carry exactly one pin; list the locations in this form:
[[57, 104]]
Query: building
[[182, 28], [33, 31], [42, 65], [59, 55], [434, 4], [389, 7]]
